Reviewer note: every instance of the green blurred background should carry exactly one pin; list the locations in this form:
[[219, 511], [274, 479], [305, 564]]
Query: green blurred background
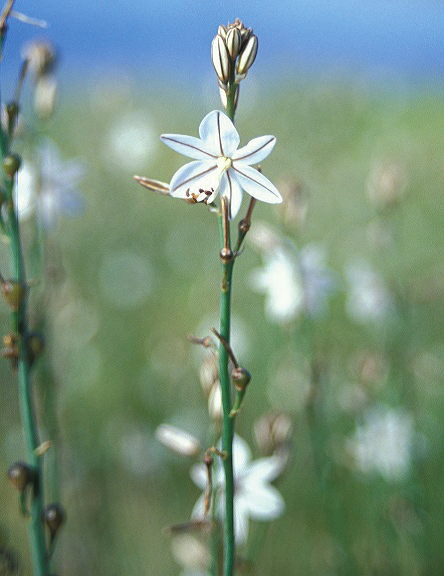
[[132, 275]]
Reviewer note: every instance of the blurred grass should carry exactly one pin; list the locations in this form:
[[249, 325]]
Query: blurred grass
[[122, 369]]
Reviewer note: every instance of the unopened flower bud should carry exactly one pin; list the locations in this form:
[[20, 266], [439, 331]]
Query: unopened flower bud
[[220, 58], [11, 164], [223, 97], [233, 42], [247, 55], [245, 35], [54, 517], [21, 475], [222, 31], [215, 408], [178, 440]]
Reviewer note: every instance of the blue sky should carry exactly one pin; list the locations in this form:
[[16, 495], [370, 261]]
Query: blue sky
[[398, 38]]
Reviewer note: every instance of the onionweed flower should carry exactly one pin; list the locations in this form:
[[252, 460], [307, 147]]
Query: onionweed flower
[[368, 298], [383, 443], [294, 281], [50, 190], [254, 496], [220, 166]]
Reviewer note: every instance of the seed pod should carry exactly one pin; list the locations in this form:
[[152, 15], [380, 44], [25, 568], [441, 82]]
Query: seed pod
[[21, 475], [233, 43], [13, 292], [247, 55], [54, 516], [220, 58]]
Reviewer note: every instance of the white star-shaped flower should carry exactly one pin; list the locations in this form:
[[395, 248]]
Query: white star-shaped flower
[[254, 496], [51, 190], [220, 166]]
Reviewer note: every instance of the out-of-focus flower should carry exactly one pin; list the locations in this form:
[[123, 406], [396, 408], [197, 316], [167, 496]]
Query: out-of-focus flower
[[178, 440], [254, 496], [383, 443], [50, 188], [294, 282], [386, 185], [273, 431], [219, 166], [368, 299], [192, 554], [130, 142]]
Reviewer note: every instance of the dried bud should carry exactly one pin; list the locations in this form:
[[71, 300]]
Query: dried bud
[[13, 292], [54, 516], [233, 42], [247, 55], [11, 164], [220, 58], [21, 475]]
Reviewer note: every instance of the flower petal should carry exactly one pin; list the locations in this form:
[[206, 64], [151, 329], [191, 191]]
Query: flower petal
[[192, 177], [188, 146], [241, 512], [230, 188], [219, 134], [265, 469], [241, 455], [255, 183], [198, 475], [256, 150], [264, 501]]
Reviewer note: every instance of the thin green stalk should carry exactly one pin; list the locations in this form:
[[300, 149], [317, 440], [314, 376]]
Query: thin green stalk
[[225, 383], [20, 326], [227, 258]]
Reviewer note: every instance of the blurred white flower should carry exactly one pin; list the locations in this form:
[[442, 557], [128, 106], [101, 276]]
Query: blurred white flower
[[131, 142], [368, 299], [191, 554], [254, 496], [294, 282], [383, 443], [49, 188]]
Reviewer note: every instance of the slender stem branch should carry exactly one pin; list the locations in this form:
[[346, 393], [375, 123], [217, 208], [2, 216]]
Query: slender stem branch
[[19, 319], [20, 326], [225, 383]]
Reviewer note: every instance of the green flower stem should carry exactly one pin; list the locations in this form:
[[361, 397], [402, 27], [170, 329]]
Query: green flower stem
[[224, 376], [228, 422], [20, 327]]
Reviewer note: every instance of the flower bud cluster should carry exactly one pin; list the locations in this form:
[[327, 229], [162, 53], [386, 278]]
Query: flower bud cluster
[[233, 52]]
